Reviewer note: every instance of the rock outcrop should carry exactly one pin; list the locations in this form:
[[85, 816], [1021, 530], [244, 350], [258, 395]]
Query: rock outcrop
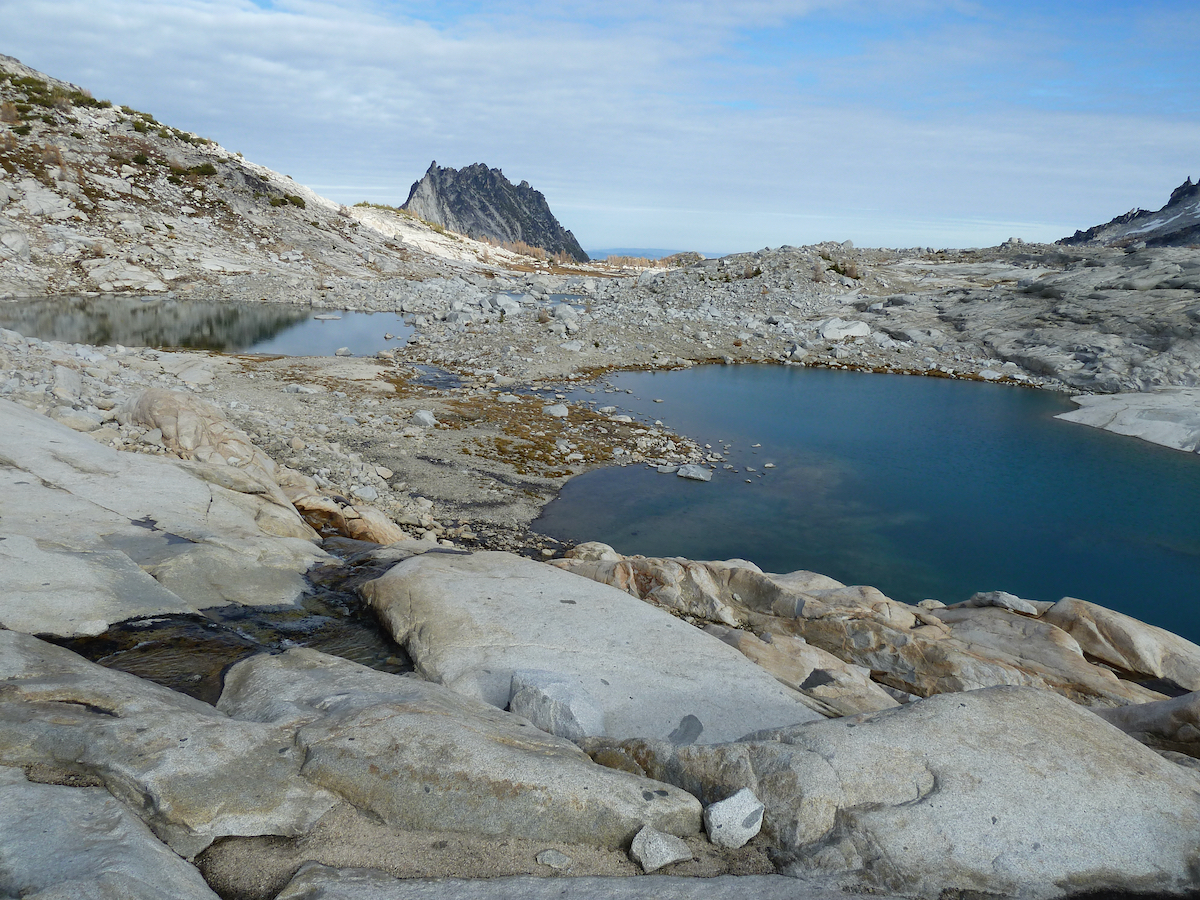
[[471, 622], [992, 639], [424, 758], [1007, 791], [93, 536], [482, 203], [1175, 225]]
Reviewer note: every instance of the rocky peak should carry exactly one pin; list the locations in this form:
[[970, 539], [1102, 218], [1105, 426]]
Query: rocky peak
[[1175, 225], [481, 203]]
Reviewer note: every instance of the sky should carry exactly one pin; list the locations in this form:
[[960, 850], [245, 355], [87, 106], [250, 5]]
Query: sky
[[681, 124]]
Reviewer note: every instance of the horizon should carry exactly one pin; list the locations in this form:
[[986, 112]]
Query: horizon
[[942, 123]]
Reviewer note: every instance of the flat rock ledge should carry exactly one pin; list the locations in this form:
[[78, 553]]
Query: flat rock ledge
[[316, 882], [470, 622], [1008, 791], [1169, 416]]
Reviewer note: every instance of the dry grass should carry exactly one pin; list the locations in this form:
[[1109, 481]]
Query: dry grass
[[528, 437]]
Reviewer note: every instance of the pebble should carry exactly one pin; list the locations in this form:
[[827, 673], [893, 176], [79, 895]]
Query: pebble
[[555, 859], [653, 849], [732, 822]]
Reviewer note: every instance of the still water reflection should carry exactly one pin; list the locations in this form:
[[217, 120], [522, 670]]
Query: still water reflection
[[164, 323]]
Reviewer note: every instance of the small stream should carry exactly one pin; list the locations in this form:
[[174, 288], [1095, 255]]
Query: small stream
[[191, 653]]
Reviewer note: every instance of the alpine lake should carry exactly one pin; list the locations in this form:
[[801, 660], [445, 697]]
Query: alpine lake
[[922, 487]]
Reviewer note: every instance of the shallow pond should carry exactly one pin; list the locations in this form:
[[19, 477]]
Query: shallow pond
[[922, 487], [165, 323]]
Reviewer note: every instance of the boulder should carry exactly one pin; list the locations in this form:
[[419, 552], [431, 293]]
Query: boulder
[[469, 622], [193, 428], [694, 473], [94, 536], [1172, 725], [836, 329], [829, 686], [424, 758], [79, 842], [734, 821], [652, 850], [1005, 791], [192, 773], [1127, 643], [908, 648]]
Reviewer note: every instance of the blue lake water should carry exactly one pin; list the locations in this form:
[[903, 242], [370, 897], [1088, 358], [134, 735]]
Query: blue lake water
[[922, 487]]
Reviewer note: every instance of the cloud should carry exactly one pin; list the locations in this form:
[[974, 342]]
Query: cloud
[[726, 125]]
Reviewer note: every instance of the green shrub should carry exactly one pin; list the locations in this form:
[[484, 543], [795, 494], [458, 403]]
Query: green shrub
[[277, 201], [204, 169], [294, 200], [141, 159], [140, 127], [22, 130]]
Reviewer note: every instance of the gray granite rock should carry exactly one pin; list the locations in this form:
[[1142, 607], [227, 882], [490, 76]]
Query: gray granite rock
[[469, 622], [1011, 791], [555, 703], [734, 821], [652, 850], [1172, 725], [192, 773], [78, 843], [1168, 415], [424, 758], [93, 536]]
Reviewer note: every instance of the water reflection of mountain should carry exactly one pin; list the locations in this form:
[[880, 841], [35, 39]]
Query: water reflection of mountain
[[151, 321]]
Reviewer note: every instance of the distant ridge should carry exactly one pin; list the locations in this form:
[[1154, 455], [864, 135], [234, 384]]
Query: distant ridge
[[1175, 225], [481, 203]]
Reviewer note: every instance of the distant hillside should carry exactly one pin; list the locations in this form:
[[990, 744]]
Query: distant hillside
[[1175, 225], [481, 203], [102, 198]]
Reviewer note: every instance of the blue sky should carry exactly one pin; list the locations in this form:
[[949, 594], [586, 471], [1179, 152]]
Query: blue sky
[[689, 124]]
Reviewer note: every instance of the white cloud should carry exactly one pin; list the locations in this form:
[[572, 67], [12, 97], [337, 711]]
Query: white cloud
[[673, 124]]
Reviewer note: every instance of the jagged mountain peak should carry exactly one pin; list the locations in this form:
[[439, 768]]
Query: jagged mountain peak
[[1175, 225], [481, 202]]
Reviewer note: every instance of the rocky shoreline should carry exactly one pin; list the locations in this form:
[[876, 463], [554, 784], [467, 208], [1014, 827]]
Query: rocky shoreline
[[524, 728], [553, 712]]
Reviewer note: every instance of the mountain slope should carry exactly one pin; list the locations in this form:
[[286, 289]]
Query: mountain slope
[[98, 198], [1175, 225], [482, 203]]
